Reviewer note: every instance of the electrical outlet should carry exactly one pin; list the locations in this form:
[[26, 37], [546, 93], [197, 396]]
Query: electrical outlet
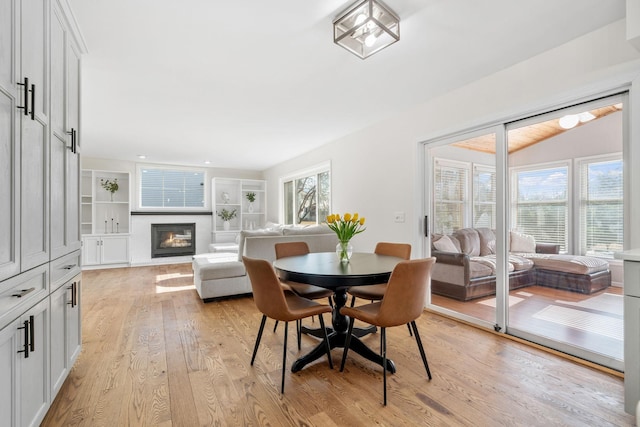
[[398, 217]]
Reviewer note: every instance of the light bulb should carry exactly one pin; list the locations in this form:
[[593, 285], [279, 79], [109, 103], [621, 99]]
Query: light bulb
[[360, 19], [370, 40], [586, 116]]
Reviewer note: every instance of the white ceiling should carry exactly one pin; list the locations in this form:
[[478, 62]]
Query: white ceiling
[[249, 83]]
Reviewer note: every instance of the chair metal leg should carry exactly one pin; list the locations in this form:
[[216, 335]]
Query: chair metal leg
[[299, 332], [275, 326], [353, 301], [419, 341], [347, 343], [326, 341], [258, 338], [284, 354], [383, 333], [330, 301], [409, 327]]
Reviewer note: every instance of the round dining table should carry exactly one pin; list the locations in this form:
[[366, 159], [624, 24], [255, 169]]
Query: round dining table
[[324, 269]]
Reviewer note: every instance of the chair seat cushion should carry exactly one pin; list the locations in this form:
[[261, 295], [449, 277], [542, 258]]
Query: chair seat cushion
[[370, 292], [309, 291]]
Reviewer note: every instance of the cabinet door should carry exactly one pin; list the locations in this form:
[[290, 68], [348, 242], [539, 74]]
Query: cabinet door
[[33, 370], [9, 337], [9, 142], [33, 50], [73, 320], [115, 249], [58, 347], [91, 250]]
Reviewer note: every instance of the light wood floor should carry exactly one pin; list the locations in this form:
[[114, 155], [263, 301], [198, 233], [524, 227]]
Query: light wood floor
[[154, 354]]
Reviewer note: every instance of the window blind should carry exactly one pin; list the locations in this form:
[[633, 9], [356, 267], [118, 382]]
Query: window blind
[[165, 188], [450, 196], [601, 207], [484, 197], [542, 205]]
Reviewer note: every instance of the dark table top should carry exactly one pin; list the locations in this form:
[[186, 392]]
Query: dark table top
[[325, 269]]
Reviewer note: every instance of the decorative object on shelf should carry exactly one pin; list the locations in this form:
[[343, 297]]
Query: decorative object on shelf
[[226, 216], [225, 197], [345, 228], [251, 197], [366, 27], [110, 185]]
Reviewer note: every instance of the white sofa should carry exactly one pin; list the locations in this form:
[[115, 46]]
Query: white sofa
[[221, 274]]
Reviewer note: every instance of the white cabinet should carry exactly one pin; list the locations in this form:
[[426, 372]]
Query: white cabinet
[[65, 162], [231, 194], [24, 363], [105, 249], [105, 218], [65, 330]]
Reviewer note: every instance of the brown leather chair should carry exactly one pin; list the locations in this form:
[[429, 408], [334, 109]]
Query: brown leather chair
[[304, 290], [376, 292], [272, 301], [403, 303]]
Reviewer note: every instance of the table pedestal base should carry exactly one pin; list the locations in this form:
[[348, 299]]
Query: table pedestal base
[[337, 339]]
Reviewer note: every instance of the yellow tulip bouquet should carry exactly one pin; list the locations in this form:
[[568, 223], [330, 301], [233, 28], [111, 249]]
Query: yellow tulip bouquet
[[345, 228]]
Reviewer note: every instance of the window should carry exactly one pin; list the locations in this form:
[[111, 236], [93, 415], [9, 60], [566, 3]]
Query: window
[[484, 196], [601, 206], [541, 204], [307, 196], [451, 200], [171, 189]]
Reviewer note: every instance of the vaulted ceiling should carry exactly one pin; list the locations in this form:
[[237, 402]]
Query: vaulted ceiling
[[247, 83]]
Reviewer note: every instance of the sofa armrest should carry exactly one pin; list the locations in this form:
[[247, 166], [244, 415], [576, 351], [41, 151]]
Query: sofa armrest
[[547, 248], [452, 258]]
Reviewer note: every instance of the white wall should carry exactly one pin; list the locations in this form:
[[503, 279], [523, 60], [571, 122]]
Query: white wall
[[140, 244], [377, 171]]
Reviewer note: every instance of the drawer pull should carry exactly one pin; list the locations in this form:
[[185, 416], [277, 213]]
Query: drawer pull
[[23, 292], [68, 266]]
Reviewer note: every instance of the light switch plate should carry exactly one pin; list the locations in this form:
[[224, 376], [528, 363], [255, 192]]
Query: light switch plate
[[398, 216]]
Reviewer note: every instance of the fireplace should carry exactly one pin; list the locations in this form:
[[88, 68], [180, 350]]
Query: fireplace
[[173, 240]]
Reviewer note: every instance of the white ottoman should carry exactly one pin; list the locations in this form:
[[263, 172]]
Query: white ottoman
[[219, 274]]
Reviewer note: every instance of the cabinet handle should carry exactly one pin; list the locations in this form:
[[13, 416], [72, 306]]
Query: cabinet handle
[[26, 339], [26, 96], [68, 266], [74, 144], [23, 292], [75, 294], [32, 328], [72, 303], [33, 102]]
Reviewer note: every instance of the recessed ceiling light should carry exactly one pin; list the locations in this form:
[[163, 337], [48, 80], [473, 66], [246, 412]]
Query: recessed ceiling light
[[207, 162], [142, 156], [569, 121]]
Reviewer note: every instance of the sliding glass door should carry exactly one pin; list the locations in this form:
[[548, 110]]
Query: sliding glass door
[[524, 219]]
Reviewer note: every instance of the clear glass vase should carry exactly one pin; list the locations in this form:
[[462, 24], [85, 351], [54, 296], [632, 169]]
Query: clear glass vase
[[344, 250]]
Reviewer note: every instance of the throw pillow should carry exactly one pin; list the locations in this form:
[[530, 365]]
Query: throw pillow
[[445, 244], [522, 243]]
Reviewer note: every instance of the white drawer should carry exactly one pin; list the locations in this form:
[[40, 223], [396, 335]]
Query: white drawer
[[21, 292], [64, 268]]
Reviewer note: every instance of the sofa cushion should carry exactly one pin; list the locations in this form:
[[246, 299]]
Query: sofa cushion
[[469, 241], [446, 244], [217, 266], [487, 241], [479, 268], [250, 233], [520, 263], [522, 243], [490, 262], [575, 264], [309, 229]]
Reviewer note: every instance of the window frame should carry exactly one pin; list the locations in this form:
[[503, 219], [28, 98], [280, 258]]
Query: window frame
[[316, 170], [205, 188], [580, 233], [513, 176]]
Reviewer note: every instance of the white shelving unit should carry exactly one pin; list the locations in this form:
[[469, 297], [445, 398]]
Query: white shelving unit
[[231, 194], [106, 220]]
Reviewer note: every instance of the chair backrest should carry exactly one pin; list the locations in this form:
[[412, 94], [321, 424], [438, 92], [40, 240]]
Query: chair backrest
[[288, 249], [267, 291], [404, 297], [400, 250]]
